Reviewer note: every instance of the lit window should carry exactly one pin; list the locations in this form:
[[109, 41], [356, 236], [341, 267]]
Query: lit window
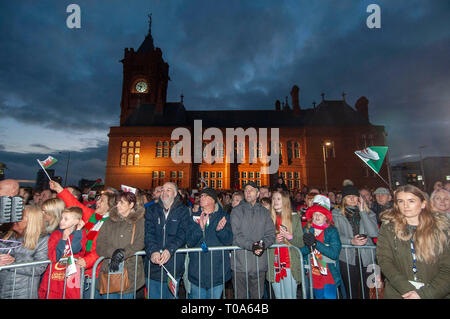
[[130, 160], [219, 174], [180, 174], [136, 159], [155, 174], [123, 159], [173, 174], [162, 174]]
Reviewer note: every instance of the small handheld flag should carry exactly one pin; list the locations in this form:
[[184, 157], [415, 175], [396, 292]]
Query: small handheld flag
[[171, 282], [49, 162], [126, 188], [71, 267], [98, 182]]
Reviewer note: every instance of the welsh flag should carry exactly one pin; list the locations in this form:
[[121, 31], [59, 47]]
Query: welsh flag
[[48, 162], [126, 188], [171, 283], [98, 182], [71, 267], [373, 156]]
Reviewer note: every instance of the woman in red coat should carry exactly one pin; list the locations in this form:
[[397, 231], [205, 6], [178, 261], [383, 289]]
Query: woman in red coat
[[93, 221]]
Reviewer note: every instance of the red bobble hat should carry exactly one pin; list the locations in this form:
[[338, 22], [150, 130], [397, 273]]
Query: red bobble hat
[[317, 208]]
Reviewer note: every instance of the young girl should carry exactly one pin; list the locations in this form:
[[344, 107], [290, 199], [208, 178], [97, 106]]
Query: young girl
[[284, 263], [322, 241], [59, 247], [52, 209]]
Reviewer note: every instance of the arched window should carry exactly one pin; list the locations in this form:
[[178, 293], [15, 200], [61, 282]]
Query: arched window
[[130, 160], [123, 159]]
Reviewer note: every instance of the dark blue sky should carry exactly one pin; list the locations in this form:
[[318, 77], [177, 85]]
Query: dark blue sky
[[60, 88]]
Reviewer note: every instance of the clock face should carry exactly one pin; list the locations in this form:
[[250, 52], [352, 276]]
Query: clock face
[[141, 86]]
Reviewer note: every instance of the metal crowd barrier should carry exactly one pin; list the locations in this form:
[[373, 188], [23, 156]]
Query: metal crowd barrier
[[34, 294], [227, 252], [306, 286]]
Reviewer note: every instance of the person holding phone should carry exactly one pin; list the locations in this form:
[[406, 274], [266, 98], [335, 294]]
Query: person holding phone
[[357, 225]]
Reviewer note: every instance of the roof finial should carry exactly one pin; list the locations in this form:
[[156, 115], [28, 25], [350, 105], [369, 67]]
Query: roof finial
[[323, 97], [181, 98], [149, 23], [314, 104], [343, 96]]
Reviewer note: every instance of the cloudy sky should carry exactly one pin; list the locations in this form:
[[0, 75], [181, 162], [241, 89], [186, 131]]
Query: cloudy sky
[[60, 88]]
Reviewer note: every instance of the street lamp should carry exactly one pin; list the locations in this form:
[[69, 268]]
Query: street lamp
[[324, 145], [421, 167], [67, 167]]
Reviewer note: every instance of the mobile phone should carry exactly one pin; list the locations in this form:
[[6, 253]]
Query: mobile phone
[[362, 236], [283, 227]]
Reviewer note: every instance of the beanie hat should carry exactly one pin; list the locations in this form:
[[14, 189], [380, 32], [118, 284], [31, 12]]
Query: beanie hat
[[349, 190], [322, 200], [347, 182], [210, 192], [381, 190], [318, 208]]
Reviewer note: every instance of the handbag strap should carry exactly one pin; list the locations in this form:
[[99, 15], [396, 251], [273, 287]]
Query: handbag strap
[[132, 234]]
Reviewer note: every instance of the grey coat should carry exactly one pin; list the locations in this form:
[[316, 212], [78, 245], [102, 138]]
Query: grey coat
[[26, 281], [250, 224], [368, 225]]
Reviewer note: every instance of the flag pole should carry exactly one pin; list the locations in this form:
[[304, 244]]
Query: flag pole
[[44, 169]]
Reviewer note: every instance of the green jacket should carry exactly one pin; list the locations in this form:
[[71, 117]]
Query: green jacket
[[395, 260], [294, 253]]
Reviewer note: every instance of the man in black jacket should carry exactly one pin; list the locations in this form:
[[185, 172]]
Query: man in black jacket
[[165, 232]]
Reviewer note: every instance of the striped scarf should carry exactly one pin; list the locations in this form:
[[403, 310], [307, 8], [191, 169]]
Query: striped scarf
[[92, 227]]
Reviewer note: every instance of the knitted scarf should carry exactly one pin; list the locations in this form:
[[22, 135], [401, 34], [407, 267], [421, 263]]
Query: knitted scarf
[[92, 227]]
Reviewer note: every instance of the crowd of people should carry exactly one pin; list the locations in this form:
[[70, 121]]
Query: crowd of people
[[277, 230]]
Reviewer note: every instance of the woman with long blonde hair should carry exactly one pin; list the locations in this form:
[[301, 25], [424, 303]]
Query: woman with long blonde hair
[[284, 263], [30, 232], [52, 209], [413, 248]]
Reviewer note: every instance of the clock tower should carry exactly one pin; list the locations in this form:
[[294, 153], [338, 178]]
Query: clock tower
[[145, 77]]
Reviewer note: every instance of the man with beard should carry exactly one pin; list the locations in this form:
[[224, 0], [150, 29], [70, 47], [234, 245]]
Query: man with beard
[[165, 232]]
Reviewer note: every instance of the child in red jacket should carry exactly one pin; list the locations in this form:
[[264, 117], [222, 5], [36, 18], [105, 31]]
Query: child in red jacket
[[58, 247]]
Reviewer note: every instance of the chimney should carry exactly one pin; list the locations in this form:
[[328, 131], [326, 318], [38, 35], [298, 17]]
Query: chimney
[[277, 105], [286, 105], [295, 99], [362, 106]]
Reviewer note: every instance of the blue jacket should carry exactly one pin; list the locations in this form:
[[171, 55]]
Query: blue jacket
[[331, 248], [221, 268], [161, 234]]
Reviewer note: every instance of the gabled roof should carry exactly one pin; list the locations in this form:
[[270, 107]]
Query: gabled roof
[[337, 113]]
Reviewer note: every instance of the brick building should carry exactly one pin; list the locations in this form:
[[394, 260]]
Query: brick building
[[139, 152]]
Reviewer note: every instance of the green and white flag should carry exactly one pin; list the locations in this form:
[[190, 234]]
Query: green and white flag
[[373, 156], [71, 267], [48, 162]]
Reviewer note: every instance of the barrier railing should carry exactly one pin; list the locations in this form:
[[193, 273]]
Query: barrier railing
[[306, 285], [32, 291]]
